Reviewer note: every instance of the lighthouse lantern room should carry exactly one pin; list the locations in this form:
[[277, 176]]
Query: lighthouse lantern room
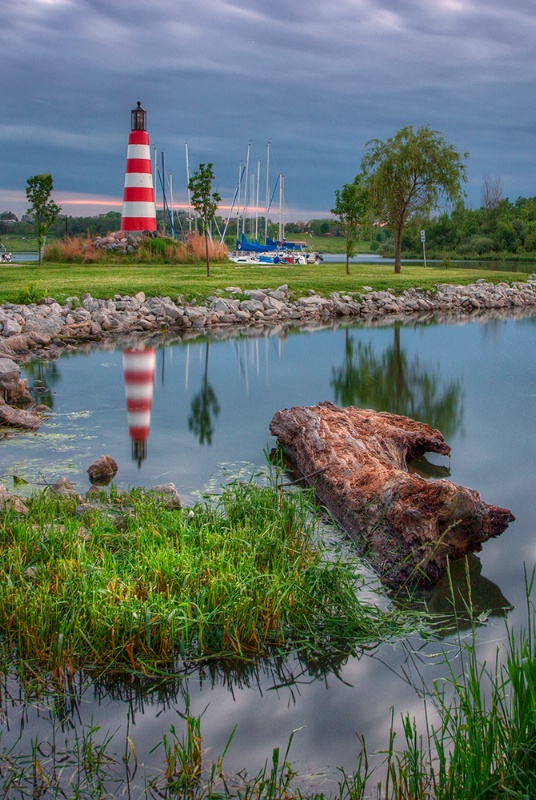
[[138, 118]]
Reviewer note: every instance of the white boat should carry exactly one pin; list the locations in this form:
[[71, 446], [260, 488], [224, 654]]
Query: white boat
[[273, 252], [243, 258], [5, 257]]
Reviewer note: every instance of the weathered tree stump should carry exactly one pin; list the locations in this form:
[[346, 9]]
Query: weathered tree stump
[[406, 526]]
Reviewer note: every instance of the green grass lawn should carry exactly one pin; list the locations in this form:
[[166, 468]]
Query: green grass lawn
[[24, 282], [18, 244]]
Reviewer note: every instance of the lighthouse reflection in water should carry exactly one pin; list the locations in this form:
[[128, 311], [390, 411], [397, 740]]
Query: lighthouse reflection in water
[[138, 371]]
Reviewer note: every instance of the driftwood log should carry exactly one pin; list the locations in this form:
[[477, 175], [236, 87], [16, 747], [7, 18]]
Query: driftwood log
[[408, 527]]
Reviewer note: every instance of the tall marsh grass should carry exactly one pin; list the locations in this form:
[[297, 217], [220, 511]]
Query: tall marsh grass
[[484, 746], [159, 250], [74, 249], [170, 251]]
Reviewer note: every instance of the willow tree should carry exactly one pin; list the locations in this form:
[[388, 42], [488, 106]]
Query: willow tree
[[409, 176], [204, 200]]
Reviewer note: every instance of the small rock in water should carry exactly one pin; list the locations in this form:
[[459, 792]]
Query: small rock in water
[[102, 471]]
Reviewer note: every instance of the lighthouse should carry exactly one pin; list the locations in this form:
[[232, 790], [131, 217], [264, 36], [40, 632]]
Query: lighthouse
[[139, 210], [138, 371]]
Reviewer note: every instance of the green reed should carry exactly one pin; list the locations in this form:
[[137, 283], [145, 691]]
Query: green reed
[[483, 747], [129, 584]]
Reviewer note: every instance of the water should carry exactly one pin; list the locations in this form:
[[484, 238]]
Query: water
[[26, 256], [212, 403], [373, 258]]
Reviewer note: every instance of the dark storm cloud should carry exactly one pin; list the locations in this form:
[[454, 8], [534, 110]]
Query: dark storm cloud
[[318, 80]]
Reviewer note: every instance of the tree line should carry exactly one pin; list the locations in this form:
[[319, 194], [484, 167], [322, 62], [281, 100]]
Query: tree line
[[410, 191], [63, 225], [508, 228]]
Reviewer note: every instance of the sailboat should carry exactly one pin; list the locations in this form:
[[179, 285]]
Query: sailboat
[[273, 252]]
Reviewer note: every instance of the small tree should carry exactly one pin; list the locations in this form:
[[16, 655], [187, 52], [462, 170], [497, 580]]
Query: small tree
[[351, 205], [204, 200], [410, 175], [43, 209]]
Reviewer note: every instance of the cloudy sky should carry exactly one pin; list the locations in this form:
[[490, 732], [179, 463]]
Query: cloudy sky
[[315, 79]]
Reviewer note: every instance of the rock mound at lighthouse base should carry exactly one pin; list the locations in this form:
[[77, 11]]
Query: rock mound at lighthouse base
[[123, 241]]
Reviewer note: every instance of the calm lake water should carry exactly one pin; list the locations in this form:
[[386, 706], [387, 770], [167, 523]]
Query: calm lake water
[[212, 402]]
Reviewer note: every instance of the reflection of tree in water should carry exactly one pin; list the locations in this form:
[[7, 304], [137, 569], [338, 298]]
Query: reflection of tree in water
[[390, 382], [42, 377], [204, 406]]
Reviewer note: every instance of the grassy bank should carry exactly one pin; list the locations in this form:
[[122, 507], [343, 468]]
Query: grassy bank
[[19, 244], [27, 282]]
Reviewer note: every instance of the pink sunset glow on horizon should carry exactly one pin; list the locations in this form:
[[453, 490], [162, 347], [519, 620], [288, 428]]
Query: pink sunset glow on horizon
[[79, 205]]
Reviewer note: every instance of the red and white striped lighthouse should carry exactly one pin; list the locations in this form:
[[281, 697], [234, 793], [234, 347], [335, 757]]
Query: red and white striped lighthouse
[[138, 371], [139, 210]]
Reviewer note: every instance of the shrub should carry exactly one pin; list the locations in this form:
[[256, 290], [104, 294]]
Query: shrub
[[476, 244], [32, 293]]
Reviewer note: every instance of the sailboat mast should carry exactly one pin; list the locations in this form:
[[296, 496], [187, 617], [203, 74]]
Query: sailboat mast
[[281, 199], [239, 201], [251, 200], [257, 201], [188, 191], [267, 190], [163, 196], [171, 209], [155, 180], [246, 179]]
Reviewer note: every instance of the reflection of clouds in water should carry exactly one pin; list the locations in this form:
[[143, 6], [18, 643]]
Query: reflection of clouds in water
[[329, 720], [372, 691]]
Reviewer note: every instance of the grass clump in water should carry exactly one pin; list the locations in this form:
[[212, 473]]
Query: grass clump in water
[[130, 584]]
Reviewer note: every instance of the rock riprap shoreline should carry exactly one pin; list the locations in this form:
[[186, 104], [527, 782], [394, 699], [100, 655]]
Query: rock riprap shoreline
[[47, 328], [43, 329]]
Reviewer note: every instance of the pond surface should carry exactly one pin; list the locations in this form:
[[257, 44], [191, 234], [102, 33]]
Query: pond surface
[[210, 410]]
